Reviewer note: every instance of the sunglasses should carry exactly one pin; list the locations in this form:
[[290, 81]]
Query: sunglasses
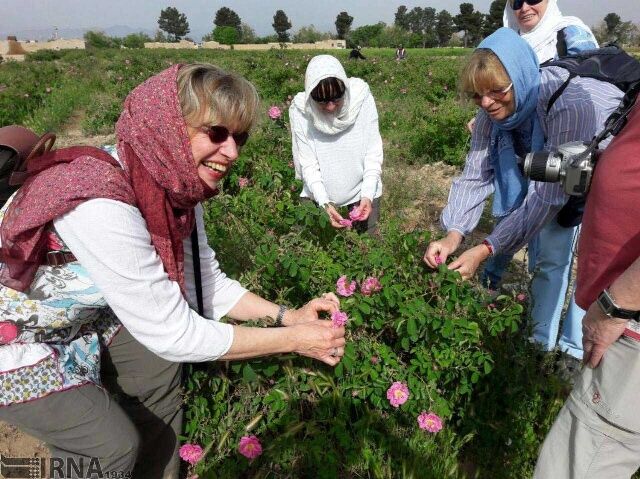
[[517, 4], [493, 94], [332, 99], [219, 133]]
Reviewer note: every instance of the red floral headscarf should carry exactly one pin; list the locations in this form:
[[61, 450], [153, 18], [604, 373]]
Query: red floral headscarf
[[160, 178]]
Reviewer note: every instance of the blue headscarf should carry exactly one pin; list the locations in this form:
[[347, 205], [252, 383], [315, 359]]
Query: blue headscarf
[[522, 127]]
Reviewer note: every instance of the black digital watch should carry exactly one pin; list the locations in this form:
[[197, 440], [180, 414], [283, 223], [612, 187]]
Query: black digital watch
[[610, 308]]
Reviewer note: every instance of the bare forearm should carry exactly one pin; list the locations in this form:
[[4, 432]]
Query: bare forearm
[[626, 288], [255, 342], [251, 306]]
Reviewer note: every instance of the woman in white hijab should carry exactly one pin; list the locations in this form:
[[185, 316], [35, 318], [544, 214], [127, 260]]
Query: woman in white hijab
[[336, 143], [540, 22], [551, 35]]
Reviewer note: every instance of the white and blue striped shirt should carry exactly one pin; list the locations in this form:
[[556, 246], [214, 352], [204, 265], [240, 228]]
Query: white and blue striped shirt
[[577, 115]]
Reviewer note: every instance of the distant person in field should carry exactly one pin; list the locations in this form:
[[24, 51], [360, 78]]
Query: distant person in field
[[401, 53], [336, 143], [356, 54], [504, 79], [98, 279]]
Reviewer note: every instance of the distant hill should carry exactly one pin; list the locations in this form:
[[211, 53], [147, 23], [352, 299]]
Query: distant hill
[[43, 34]]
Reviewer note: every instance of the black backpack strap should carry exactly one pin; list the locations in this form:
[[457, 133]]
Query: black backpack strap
[[195, 249], [561, 44], [559, 91]]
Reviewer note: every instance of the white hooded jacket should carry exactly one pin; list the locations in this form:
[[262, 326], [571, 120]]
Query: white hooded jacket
[[337, 156]]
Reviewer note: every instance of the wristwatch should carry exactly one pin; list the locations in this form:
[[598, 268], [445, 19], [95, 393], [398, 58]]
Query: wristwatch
[[280, 316], [610, 308]]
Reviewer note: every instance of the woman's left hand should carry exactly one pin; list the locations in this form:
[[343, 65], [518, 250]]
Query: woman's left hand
[[468, 262], [328, 303], [364, 209]]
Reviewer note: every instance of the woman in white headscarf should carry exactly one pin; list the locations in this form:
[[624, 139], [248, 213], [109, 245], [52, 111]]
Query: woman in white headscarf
[[551, 34], [336, 144]]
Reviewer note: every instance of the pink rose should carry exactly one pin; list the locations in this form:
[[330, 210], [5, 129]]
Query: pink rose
[[398, 394], [355, 214], [338, 319], [250, 447], [191, 453], [243, 182], [274, 112], [438, 259], [521, 297], [374, 360], [8, 332], [430, 422], [344, 287], [370, 285], [346, 222]]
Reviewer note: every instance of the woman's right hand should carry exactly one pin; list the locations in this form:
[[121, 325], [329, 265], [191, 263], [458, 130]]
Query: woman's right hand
[[334, 216], [319, 340], [471, 125], [438, 251]]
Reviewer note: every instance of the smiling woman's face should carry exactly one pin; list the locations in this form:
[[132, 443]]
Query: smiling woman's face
[[213, 160], [498, 103], [530, 15]]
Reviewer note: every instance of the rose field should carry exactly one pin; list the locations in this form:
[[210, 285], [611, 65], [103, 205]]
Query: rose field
[[438, 379]]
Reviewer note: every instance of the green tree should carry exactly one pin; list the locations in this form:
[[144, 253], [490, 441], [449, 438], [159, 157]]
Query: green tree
[[174, 23], [493, 20], [225, 17], [248, 34], [343, 24], [226, 35], [281, 24], [612, 21], [309, 35], [135, 40], [367, 35], [401, 20], [445, 27], [470, 21], [96, 39], [422, 22]]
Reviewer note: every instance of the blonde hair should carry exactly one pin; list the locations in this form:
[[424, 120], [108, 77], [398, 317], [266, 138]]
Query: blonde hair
[[211, 96], [483, 72]]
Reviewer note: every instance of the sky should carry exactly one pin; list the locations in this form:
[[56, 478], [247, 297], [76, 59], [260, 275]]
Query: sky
[[19, 15]]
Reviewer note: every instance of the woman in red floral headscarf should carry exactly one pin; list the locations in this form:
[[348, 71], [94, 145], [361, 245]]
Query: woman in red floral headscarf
[[112, 309]]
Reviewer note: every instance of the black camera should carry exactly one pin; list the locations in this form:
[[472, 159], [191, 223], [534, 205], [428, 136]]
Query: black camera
[[572, 165]]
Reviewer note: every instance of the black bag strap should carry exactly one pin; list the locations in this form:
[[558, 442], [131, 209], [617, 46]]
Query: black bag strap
[[559, 91], [561, 44], [195, 249]]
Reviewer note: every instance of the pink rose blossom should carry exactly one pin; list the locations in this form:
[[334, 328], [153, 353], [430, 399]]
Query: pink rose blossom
[[430, 422], [8, 332], [398, 394], [374, 360], [191, 453], [344, 287], [521, 297], [243, 182], [438, 259], [338, 319], [346, 222], [355, 214], [274, 112], [250, 447], [370, 285]]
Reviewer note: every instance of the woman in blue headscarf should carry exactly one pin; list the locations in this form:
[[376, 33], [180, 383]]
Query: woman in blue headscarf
[[504, 80]]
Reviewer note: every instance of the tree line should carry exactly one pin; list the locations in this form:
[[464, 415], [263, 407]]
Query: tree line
[[418, 27]]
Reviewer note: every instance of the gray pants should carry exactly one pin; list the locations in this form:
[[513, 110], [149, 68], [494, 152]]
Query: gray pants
[[597, 433], [131, 429]]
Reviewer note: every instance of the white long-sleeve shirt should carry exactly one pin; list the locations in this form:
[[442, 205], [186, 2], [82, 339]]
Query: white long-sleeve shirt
[[110, 239], [340, 168]]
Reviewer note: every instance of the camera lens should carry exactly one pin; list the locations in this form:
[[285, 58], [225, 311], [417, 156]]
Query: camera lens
[[542, 166]]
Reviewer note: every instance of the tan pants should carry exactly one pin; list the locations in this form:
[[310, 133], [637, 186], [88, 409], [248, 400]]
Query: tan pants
[[597, 433], [131, 429]]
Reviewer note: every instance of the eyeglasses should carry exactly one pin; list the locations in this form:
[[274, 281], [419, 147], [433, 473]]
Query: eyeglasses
[[517, 4], [335, 98], [493, 94], [219, 133]]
